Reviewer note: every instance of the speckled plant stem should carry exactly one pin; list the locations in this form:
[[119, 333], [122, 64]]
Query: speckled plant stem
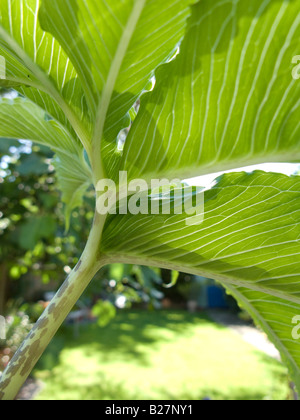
[[42, 333]]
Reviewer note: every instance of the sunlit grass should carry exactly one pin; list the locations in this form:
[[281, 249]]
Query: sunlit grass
[[159, 355]]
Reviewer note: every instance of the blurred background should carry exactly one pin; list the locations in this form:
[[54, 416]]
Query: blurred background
[[137, 332]]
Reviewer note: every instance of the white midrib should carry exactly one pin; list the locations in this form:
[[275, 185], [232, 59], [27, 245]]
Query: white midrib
[[111, 257], [111, 81]]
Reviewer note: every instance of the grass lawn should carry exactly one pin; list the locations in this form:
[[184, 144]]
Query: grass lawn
[[158, 355]]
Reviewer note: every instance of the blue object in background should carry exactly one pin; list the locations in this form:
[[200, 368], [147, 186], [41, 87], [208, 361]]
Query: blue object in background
[[216, 297]]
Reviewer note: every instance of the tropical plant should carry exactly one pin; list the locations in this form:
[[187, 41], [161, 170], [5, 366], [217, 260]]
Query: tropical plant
[[226, 95]]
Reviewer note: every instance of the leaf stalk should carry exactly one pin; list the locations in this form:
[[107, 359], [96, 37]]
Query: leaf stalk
[[46, 327]]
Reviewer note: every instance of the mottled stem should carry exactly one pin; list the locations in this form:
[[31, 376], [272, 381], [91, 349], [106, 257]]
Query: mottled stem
[[42, 333]]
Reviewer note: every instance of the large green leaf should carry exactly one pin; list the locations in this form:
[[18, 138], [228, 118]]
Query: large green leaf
[[39, 69], [91, 89], [228, 100], [249, 236], [249, 239], [115, 47]]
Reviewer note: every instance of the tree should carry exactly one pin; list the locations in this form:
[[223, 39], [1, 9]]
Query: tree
[[225, 98]]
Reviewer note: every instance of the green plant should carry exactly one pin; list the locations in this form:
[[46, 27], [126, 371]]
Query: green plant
[[230, 98]]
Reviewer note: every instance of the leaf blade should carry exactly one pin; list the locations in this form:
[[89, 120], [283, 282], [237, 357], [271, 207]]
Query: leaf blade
[[34, 58], [228, 100], [112, 55]]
